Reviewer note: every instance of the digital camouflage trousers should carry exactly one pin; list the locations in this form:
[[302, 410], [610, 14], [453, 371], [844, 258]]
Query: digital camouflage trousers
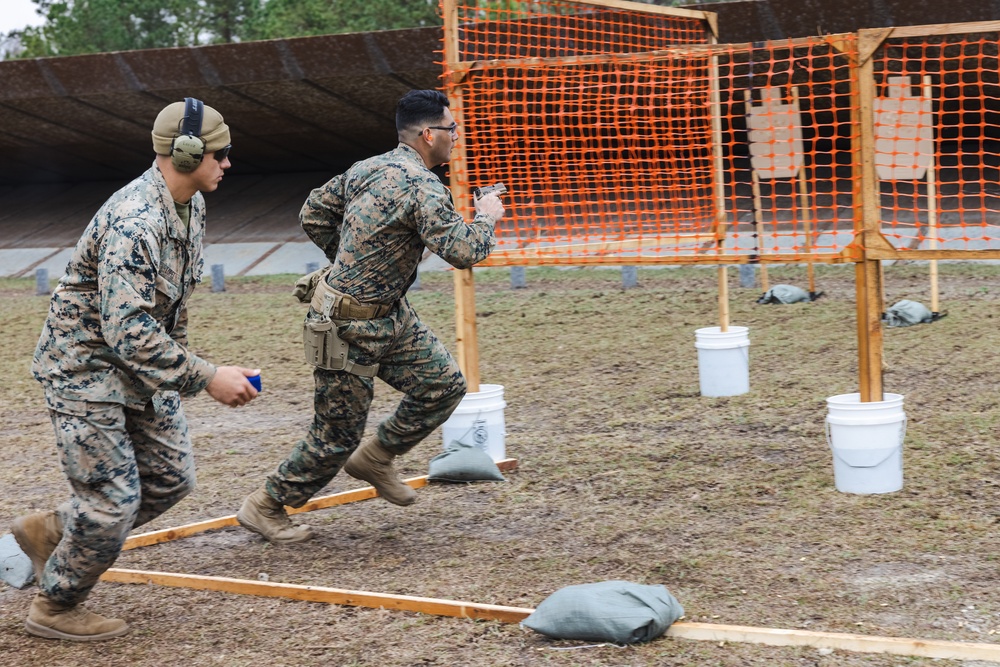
[[125, 467], [411, 360]]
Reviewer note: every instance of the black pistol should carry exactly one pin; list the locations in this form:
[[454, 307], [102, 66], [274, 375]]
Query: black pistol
[[497, 189]]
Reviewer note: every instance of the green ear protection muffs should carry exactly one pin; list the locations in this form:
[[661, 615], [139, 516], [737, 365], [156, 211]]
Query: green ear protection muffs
[[188, 148]]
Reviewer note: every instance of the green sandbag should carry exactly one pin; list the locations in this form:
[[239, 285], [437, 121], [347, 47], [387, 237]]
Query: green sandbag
[[906, 313], [784, 294], [460, 462], [611, 611]]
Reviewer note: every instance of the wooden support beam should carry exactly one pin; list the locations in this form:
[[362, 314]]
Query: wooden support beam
[[572, 250], [758, 214], [466, 339], [927, 648], [648, 9], [719, 185], [884, 253], [460, 69], [868, 274], [932, 222], [869, 40], [946, 29], [323, 502]]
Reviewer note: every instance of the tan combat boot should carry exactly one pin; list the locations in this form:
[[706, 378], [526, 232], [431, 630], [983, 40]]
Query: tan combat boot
[[37, 535], [49, 619], [266, 516], [372, 462]]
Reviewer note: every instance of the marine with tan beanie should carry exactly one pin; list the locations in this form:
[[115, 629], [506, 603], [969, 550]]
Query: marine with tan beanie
[[114, 362]]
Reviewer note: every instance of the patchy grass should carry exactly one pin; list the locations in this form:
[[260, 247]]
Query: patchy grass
[[626, 472]]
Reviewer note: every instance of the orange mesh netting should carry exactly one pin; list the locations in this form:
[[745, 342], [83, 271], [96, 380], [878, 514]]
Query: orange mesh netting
[[624, 138], [937, 126], [605, 148]]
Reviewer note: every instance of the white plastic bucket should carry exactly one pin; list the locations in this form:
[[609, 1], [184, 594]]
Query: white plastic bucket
[[723, 361], [867, 442], [478, 420]]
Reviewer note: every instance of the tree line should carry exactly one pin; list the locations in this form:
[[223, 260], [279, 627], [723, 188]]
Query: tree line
[[73, 27]]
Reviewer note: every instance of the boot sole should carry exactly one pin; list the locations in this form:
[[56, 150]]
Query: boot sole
[[402, 503], [246, 523], [39, 630]]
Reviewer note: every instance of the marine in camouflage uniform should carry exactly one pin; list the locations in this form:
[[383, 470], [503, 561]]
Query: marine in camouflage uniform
[[114, 363], [373, 223]]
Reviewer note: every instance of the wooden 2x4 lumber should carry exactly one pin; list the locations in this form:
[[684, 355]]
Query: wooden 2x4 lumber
[[927, 648], [461, 68], [885, 253], [342, 498], [648, 9], [569, 249], [945, 29], [432, 606]]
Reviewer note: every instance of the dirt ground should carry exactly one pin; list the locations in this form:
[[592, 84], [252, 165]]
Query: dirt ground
[[625, 472]]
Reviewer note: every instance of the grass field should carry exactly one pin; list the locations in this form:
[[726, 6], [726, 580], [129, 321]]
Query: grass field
[[625, 472]]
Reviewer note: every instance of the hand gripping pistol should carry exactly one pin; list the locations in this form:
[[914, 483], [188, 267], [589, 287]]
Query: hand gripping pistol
[[497, 189]]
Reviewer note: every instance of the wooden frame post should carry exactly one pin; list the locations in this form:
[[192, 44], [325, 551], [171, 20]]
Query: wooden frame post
[[466, 338], [758, 215], [932, 237], [804, 206], [719, 184], [868, 274]]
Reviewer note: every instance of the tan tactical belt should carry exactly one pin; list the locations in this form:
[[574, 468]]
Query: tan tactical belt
[[346, 307], [323, 347]]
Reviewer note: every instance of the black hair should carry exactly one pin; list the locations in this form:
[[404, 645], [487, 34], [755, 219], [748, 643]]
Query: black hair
[[418, 107]]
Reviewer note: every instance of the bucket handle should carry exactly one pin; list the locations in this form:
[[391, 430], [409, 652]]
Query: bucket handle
[[461, 439], [829, 436]]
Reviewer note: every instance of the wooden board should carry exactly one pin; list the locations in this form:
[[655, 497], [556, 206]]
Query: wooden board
[[928, 648], [340, 596], [342, 498]]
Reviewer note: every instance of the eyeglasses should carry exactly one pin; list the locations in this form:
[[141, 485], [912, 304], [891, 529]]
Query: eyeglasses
[[451, 129], [223, 153]]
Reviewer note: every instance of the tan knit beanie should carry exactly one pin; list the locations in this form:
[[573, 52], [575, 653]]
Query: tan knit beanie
[[214, 131]]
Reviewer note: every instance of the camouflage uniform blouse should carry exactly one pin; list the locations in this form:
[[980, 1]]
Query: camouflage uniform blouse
[[373, 222], [117, 324]]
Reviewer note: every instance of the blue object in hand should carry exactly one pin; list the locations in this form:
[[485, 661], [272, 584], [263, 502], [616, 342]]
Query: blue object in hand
[[255, 381]]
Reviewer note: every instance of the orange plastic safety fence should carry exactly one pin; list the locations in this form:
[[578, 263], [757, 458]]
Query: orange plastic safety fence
[[937, 128], [506, 29], [622, 141], [606, 151]]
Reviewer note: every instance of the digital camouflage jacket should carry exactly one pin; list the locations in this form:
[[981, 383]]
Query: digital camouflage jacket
[[117, 324], [374, 220]]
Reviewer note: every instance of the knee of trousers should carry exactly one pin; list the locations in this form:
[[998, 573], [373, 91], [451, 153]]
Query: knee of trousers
[[455, 393], [104, 524], [170, 490]]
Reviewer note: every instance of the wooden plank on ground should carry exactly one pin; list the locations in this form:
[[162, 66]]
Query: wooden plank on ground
[[342, 498], [927, 648], [433, 606]]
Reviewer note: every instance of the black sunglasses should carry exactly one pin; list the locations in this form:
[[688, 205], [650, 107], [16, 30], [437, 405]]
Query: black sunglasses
[[452, 129], [223, 153]]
